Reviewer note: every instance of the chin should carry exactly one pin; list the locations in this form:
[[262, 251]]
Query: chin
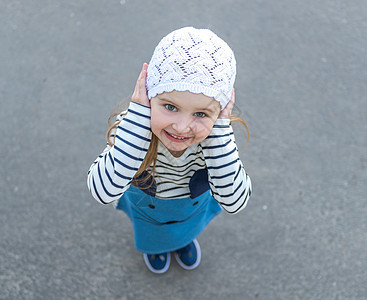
[[176, 149]]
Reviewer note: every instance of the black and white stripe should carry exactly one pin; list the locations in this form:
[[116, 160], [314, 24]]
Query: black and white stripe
[[229, 183], [111, 173]]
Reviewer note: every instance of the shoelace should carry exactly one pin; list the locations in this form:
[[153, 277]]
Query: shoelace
[[187, 249], [160, 256]]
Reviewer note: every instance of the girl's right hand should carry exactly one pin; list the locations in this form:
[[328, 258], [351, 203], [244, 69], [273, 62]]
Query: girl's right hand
[[140, 93]]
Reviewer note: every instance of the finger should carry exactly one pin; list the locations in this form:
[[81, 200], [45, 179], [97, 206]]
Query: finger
[[143, 80], [227, 110], [140, 93], [137, 90], [231, 102], [137, 84], [142, 86]]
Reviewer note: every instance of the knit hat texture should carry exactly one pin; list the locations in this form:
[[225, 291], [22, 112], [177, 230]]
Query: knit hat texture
[[195, 60]]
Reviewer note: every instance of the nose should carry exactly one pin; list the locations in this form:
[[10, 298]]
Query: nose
[[183, 124]]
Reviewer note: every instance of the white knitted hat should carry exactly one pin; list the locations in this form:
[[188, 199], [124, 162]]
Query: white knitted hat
[[194, 60]]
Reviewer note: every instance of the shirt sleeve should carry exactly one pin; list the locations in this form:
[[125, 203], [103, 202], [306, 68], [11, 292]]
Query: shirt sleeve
[[229, 183], [111, 173]]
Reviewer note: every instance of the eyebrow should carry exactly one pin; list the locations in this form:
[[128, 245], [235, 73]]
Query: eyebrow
[[208, 109]]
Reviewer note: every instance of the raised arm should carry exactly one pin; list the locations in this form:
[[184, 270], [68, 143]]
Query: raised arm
[[111, 173], [228, 180]]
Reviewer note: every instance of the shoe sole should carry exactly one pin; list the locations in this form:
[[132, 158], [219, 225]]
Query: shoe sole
[[198, 259], [149, 266]]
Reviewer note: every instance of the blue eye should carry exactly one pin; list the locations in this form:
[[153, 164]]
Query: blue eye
[[170, 107], [200, 114]]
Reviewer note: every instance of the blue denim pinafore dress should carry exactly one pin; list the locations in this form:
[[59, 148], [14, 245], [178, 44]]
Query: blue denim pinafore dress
[[164, 225]]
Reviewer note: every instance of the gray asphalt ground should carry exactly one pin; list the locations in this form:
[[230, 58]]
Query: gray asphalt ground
[[301, 87]]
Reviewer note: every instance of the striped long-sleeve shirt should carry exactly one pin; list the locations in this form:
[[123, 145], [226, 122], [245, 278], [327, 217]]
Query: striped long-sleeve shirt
[[112, 172]]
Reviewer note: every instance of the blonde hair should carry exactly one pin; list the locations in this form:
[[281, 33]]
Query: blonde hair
[[150, 159], [151, 156]]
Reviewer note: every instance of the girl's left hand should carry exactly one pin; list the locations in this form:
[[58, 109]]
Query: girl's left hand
[[226, 112]]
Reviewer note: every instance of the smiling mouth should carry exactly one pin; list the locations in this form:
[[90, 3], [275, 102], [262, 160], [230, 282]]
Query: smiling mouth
[[176, 137]]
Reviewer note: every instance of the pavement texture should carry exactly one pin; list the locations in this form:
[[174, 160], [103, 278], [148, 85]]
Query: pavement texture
[[301, 87]]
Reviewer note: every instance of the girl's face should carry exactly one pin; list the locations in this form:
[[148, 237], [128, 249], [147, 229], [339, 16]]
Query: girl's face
[[181, 119]]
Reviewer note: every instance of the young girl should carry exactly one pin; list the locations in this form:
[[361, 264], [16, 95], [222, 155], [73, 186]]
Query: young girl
[[171, 162]]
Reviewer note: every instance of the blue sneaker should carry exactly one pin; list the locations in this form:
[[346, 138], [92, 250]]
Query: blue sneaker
[[189, 257], [157, 263]]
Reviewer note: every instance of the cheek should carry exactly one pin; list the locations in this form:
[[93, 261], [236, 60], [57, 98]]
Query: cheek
[[204, 128], [155, 125], [158, 121]]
